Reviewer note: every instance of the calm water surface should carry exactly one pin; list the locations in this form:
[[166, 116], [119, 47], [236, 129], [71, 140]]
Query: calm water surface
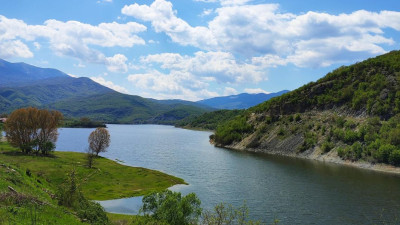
[[295, 191]]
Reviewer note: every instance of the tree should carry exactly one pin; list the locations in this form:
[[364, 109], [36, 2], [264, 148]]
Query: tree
[[1, 131], [172, 208], [227, 214], [99, 140], [48, 122], [33, 129], [90, 157]]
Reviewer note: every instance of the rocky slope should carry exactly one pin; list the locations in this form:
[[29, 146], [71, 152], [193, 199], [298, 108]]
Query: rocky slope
[[350, 115]]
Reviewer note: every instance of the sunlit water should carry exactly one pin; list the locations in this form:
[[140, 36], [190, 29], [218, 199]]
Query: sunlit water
[[295, 191]]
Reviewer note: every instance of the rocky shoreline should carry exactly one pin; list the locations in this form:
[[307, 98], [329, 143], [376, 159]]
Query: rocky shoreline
[[315, 154]]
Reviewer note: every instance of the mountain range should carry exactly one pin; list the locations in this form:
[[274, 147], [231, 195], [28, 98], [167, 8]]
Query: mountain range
[[23, 85], [240, 101]]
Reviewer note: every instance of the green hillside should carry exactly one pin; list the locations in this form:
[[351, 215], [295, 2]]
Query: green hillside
[[48, 91], [120, 108], [30, 186], [209, 120], [353, 113], [24, 85]]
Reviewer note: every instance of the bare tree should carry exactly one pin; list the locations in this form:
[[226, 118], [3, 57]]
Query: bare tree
[[31, 128], [99, 140]]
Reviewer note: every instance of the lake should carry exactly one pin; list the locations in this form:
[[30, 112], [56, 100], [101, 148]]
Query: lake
[[295, 191]]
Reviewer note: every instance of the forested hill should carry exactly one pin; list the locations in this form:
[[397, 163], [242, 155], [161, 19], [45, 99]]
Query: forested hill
[[370, 87], [23, 85], [352, 112]]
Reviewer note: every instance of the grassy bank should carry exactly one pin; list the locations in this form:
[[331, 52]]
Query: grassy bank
[[107, 180], [29, 184]]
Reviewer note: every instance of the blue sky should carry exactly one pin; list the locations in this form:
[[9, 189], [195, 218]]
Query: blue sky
[[196, 49]]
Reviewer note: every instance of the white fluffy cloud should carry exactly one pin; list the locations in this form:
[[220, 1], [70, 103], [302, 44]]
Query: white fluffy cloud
[[109, 84], [255, 91], [117, 63], [312, 39], [163, 18], [175, 85], [230, 91], [14, 48], [73, 39], [189, 77], [221, 66], [226, 2]]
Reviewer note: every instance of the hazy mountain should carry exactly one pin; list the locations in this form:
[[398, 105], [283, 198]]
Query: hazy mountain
[[21, 74], [240, 101]]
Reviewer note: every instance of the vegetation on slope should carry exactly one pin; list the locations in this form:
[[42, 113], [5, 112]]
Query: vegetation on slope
[[83, 122], [23, 85], [370, 87], [53, 189], [120, 108], [27, 199], [44, 92], [354, 110], [209, 120]]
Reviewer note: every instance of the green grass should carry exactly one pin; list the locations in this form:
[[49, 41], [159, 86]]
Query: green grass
[[107, 180], [121, 219], [34, 204]]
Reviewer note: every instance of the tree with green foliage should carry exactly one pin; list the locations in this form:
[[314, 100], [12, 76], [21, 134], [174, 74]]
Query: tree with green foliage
[[227, 214], [70, 195], [172, 207]]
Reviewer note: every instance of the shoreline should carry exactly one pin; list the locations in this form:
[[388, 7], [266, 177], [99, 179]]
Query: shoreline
[[107, 180], [330, 157]]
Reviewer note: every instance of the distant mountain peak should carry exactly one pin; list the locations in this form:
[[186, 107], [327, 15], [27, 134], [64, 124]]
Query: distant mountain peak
[[19, 74], [240, 101]]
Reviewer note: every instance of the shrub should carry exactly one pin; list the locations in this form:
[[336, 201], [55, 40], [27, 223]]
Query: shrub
[[281, 131], [352, 153], [338, 134], [373, 147], [227, 214], [327, 146], [340, 121], [394, 157], [69, 195], [350, 136], [309, 141], [232, 131], [172, 208], [356, 151], [383, 153], [394, 136], [342, 152], [297, 118]]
